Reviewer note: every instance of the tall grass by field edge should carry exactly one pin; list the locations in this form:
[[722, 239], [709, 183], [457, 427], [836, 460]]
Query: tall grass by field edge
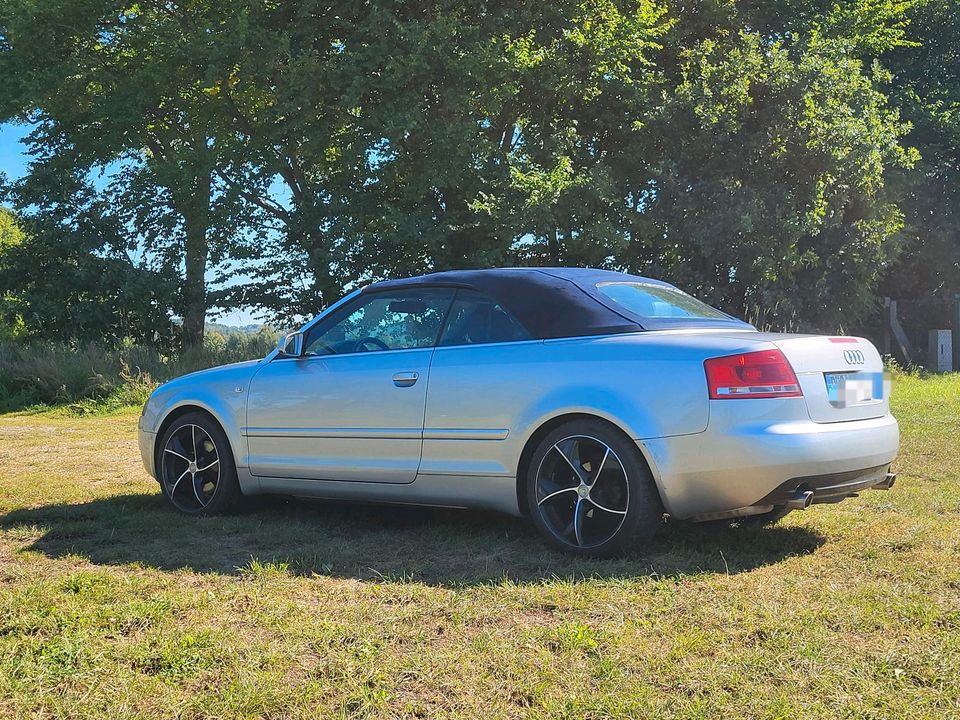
[[90, 377]]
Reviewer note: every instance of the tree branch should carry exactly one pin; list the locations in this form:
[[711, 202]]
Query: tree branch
[[263, 203]]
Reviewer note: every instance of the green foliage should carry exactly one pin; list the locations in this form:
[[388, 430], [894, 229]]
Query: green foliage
[[747, 165], [11, 235], [120, 138], [776, 157], [10, 232], [71, 283], [773, 205], [925, 84], [93, 377]]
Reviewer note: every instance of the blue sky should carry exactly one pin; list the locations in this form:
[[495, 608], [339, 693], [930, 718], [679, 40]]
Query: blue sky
[[13, 164]]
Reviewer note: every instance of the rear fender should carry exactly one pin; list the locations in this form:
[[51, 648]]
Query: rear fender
[[616, 408]]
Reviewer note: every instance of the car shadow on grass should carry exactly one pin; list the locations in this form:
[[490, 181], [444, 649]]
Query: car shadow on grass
[[375, 543]]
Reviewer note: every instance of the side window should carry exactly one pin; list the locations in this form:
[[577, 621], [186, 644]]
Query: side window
[[476, 319], [398, 320]]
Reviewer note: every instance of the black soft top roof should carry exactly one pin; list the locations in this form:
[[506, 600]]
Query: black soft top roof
[[556, 302]]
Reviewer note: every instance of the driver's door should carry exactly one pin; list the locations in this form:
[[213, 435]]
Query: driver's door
[[351, 408]]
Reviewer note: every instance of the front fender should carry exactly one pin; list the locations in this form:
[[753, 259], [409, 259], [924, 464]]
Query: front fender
[[221, 392]]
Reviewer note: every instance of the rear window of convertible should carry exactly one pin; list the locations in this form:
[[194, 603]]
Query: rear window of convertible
[[658, 301]]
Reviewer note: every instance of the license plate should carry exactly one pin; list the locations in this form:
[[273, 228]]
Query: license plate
[[845, 389]]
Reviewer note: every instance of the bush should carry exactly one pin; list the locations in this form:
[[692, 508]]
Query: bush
[[93, 377]]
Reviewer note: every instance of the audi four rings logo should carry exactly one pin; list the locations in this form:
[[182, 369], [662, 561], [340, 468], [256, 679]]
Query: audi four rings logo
[[853, 357]]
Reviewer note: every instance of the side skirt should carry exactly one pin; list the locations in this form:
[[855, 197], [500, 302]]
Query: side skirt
[[497, 493]]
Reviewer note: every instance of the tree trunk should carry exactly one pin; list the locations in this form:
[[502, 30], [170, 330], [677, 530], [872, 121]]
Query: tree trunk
[[196, 221], [307, 234], [461, 245], [553, 248]]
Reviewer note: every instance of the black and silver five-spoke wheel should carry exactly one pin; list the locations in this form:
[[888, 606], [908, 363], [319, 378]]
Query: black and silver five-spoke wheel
[[196, 468], [590, 491]]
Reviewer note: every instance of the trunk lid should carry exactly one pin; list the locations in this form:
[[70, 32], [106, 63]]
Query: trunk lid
[[842, 378]]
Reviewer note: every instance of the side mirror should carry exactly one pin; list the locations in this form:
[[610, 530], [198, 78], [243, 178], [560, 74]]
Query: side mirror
[[291, 345]]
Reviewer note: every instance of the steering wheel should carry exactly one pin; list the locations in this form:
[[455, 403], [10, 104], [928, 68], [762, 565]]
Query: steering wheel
[[369, 340]]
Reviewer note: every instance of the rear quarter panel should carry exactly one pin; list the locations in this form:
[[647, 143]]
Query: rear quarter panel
[[485, 402]]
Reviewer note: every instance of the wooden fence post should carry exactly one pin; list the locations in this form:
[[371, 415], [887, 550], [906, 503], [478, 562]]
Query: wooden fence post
[[894, 336], [887, 347]]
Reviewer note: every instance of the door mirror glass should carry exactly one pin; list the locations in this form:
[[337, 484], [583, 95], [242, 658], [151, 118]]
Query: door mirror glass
[[291, 345]]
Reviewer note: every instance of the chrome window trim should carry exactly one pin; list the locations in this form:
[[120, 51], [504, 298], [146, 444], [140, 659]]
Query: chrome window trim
[[531, 341], [378, 353]]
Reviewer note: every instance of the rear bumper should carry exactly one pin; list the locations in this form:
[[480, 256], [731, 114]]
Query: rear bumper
[[830, 488], [735, 465]]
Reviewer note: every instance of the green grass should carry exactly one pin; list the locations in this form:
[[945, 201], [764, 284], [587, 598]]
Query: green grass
[[113, 606]]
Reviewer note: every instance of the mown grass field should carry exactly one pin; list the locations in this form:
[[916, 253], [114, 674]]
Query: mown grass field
[[112, 606]]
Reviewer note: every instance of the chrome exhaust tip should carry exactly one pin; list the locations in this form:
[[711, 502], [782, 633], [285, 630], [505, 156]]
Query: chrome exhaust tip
[[887, 482], [801, 500]]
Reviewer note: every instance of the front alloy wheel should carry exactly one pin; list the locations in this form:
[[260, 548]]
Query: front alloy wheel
[[195, 468]]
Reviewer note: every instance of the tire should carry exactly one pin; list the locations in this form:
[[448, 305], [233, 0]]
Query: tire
[[609, 506], [196, 468]]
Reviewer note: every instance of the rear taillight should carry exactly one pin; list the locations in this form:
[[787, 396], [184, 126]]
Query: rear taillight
[[764, 374]]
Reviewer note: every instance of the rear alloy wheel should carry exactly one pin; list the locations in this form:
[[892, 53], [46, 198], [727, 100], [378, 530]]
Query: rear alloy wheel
[[196, 469], [590, 491]]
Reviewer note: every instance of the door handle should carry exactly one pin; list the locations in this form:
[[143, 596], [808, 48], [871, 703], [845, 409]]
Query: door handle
[[405, 379]]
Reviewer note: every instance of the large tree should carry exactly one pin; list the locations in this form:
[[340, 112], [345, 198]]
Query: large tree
[[116, 96], [68, 275], [746, 164], [767, 188], [390, 138], [925, 84], [740, 149]]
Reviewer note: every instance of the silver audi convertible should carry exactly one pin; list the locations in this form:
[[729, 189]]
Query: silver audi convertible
[[593, 402]]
